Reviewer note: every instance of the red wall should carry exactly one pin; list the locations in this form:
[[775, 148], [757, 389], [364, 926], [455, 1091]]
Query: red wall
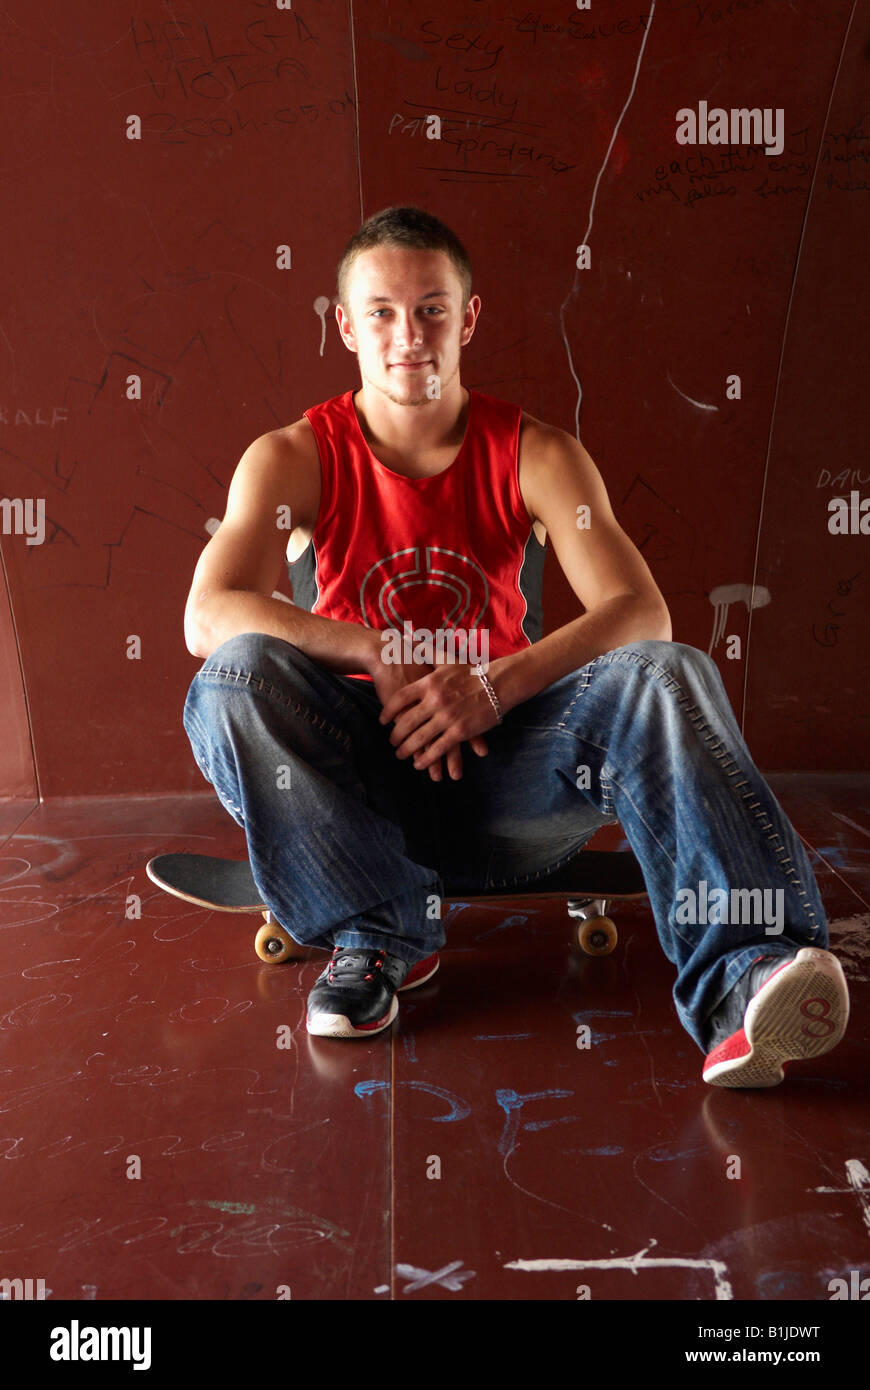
[[262, 127]]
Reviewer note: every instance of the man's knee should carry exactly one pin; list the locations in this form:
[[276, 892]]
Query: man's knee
[[249, 660], [669, 661], [249, 652], [676, 656]]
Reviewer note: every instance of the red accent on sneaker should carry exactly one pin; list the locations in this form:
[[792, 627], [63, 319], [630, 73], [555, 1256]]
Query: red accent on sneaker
[[421, 972], [366, 1027], [737, 1045]]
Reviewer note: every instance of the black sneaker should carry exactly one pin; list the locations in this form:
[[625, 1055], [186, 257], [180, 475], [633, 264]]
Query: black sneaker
[[781, 1010], [355, 996]]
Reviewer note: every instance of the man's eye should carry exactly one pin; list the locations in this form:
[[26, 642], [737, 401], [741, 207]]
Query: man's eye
[[430, 309]]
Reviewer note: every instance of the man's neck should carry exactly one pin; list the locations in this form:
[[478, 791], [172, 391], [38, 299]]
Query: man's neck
[[412, 431]]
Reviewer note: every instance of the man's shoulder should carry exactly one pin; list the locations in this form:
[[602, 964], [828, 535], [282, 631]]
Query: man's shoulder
[[538, 437], [534, 433], [280, 463], [296, 440], [283, 458], [300, 432]]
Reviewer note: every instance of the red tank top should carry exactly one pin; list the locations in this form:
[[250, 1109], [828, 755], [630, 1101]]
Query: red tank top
[[454, 552]]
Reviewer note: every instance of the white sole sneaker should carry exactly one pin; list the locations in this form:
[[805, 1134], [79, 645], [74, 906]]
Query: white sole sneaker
[[338, 1026], [800, 1011], [335, 1025]]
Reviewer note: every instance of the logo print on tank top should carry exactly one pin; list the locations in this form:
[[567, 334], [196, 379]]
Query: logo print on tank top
[[438, 588]]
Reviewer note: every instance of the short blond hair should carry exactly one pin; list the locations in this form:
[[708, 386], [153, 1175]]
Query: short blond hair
[[409, 227]]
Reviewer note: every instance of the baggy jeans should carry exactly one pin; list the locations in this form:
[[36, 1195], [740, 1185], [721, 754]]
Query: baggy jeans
[[351, 846]]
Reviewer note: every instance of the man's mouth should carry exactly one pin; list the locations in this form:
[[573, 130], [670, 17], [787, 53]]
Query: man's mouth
[[410, 366]]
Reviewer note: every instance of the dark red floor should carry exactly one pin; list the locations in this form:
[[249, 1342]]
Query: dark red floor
[[155, 1037]]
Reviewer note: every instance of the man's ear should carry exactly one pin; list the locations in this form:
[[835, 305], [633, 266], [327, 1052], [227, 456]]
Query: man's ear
[[472, 310], [345, 328]]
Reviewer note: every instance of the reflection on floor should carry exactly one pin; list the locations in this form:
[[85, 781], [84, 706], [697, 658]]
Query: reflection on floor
[[157, 1141]]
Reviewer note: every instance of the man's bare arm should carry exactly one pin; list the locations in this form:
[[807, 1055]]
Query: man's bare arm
[[239, 568], [603, 566]]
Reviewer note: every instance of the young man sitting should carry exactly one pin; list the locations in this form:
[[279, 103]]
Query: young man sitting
[[419, 511]]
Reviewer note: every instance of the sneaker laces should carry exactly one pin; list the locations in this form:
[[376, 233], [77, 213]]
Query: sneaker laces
[[350, 972]]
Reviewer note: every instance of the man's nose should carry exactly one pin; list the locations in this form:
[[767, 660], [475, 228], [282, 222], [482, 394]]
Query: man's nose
[[407, 331]]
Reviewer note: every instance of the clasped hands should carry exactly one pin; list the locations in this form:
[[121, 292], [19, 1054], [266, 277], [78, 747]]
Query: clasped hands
[[434, 709]]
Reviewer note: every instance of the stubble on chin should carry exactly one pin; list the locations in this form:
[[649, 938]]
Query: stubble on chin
[[425, 399]]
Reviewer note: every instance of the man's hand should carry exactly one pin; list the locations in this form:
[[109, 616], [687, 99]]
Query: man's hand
[[435, 710]]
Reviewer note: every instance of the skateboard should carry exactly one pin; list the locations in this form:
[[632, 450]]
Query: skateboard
[[590, 882]]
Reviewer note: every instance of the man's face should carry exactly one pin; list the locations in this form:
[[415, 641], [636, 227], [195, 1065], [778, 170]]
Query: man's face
[[405, 322]]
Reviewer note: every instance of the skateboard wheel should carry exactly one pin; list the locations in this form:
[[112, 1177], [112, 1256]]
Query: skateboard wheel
[[597, 936], [274, 944]]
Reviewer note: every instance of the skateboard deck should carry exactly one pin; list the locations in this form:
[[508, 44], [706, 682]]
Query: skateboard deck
[[225, 885], [590, 881]]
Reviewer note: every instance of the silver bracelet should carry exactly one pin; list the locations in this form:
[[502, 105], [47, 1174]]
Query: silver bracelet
[[493, 698]]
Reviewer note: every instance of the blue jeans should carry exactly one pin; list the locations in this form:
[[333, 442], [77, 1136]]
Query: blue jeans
[[351, 847]]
